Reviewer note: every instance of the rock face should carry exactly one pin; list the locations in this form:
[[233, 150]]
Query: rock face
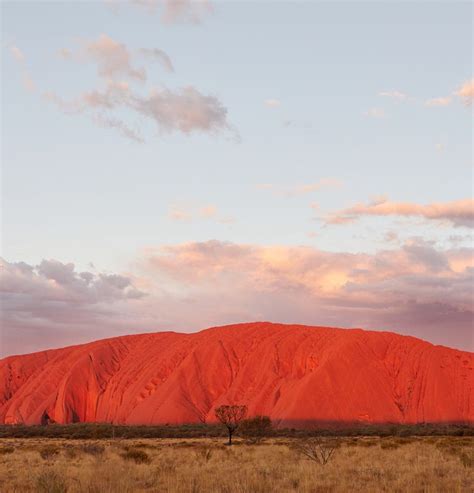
[[297, 375]]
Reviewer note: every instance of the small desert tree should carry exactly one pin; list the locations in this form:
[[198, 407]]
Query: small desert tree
[[230, 417]]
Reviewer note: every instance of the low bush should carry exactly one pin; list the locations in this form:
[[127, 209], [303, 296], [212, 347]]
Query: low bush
[[367, 443], [71, 452], [50, 482], [49, 452], [389, 445], [93, 449], [255, 429], [205, 453], [137, 456], [467, 460], [319, 450], [84, 431]]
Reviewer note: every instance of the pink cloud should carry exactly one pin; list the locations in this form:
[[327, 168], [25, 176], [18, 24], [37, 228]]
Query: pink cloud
[[416, 289], [375, 113], [27, 80], [17, 53], [458, 212], [185, 110], [113, 58], [444, 101], [466, 92], [307, 285], [172, 11], [302, 189], [188, 212], [398, 95]]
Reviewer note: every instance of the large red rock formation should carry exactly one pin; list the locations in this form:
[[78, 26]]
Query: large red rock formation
[[295, 374]]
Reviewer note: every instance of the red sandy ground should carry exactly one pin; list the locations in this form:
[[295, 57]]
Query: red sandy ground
[[292, 373]]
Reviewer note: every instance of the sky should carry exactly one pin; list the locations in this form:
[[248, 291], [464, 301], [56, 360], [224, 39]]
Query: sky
[[177, 164]]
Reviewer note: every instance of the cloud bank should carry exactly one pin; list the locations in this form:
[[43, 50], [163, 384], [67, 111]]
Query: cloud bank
[[417, 289]]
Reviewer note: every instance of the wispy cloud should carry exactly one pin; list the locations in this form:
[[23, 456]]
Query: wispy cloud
[[27, 80], [465, 93], [457, 213], [17, 53], [160, 56], [446, 101], [121, 126], [375, 113], [302, 189], [114, 59], [170, 11], [272, 103], [188, 213], [397, 95]]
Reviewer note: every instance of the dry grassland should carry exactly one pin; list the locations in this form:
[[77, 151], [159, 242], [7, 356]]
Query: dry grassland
[[370, 464]]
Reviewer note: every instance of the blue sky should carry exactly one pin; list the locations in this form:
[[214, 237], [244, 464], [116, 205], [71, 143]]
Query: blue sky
[[314, 93]]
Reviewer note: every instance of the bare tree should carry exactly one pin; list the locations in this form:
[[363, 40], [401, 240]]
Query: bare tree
[[230, 417], [317, 449]]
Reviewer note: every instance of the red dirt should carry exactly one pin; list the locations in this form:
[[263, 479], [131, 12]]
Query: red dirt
[[292, 373]]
